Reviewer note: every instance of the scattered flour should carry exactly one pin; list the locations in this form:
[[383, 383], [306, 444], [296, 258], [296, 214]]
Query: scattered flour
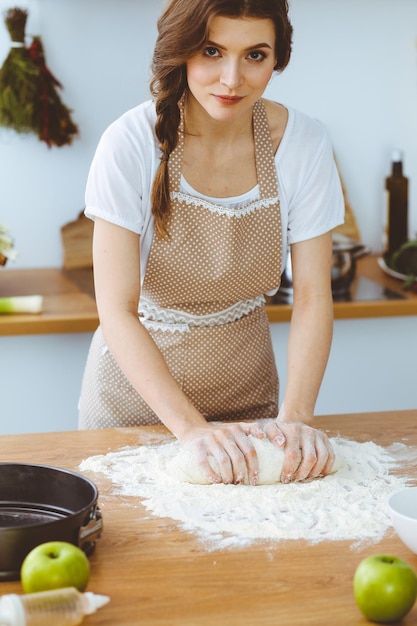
[[348, 505]]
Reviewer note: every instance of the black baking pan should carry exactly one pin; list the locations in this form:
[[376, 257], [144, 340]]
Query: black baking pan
[[39, 503]]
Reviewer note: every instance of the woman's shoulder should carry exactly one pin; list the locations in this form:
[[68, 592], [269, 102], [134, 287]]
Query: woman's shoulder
[[130, 140], [134, 125], [129, 145], [277, 115], [304, 138], [287, 123]]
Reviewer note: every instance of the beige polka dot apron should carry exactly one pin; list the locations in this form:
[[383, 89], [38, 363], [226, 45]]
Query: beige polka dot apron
[[202, 302]]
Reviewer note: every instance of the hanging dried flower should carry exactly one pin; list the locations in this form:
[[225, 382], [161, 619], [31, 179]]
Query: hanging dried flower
[[29, 101], [18, 78], [52, 119]]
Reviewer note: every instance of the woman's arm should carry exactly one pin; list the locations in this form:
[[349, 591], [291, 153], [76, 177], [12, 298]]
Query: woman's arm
[[116, 255], [307, 450], [311, 327]]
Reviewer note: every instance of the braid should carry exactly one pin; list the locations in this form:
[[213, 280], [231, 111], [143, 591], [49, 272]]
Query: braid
[[166, 129], [167, 91]]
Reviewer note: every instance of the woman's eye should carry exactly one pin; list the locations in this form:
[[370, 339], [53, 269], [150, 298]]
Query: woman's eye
[[211, 52], [256, 55]]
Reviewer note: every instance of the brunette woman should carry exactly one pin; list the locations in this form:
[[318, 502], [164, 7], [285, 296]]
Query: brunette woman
[[196, 196]]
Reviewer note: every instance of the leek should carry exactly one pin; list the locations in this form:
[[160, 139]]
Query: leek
[[21, 304]]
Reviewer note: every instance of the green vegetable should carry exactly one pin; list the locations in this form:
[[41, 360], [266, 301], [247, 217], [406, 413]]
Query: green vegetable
[[21, 304], [404, 261], [6, 243]]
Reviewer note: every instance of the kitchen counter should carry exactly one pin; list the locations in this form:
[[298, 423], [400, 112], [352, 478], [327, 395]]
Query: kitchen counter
[[69, 305], [368, 268], [159, 575]]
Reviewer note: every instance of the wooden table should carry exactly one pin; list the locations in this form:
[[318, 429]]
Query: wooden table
[[158, 575]]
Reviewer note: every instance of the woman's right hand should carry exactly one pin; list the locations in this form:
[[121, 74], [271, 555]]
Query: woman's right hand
[[230, 446]]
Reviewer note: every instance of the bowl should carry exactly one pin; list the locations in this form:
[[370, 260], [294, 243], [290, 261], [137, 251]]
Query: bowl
[[40, 503], [402, 507]]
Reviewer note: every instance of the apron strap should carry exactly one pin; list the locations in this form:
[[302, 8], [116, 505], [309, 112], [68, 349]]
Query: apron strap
[[264, 153], [177, 155]]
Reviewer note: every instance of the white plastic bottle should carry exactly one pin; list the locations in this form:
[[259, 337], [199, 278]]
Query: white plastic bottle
[[59, 607]]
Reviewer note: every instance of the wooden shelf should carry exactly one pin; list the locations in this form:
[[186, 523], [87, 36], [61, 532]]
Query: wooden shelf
[[69, 305], [67, 308]]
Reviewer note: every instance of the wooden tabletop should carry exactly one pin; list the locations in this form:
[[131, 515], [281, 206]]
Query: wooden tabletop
[[159, 575]]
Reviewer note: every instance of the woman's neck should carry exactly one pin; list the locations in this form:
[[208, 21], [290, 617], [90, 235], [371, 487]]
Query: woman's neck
[[211, 149], [214, 133]]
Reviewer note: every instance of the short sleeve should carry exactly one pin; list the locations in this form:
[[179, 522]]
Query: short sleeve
[[120, 175], [310, 181]]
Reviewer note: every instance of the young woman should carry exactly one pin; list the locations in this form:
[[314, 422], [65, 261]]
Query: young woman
[[196, 196]]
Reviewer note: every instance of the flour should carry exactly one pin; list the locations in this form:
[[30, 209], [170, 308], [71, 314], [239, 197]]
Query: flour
[[348, 505]]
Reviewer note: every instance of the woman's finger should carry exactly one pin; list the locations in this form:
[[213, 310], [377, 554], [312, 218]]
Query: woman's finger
[[275, 433], [242, 453], [292, 451], [326, 457], [309, 454]]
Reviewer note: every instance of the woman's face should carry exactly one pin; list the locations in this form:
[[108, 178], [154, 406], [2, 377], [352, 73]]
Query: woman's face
[[232, 71]]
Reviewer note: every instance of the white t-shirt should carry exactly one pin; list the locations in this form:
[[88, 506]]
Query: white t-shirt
[[127, 157]]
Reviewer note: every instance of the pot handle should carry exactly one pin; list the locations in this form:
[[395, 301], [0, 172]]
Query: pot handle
[[90, 532], [359, 251]]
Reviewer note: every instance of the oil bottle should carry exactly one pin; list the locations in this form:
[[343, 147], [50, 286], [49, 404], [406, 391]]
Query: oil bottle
[[396, 223]]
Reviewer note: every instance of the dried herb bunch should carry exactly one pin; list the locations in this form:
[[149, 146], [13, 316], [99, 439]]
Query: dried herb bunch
[[29, 101]]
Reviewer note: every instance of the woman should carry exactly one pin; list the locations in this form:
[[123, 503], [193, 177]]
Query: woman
[[195, 197]]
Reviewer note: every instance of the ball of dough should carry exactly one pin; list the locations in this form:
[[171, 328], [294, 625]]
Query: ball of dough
[[270, 458]]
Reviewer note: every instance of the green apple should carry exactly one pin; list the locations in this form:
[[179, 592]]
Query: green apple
[[54, 565], [385, 588]]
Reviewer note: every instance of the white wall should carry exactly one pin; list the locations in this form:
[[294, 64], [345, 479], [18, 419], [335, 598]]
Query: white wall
[[100, 50], [40, 378], [354, 67], [372, 365]]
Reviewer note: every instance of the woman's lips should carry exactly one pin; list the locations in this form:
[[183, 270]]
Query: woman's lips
[[228, 100]]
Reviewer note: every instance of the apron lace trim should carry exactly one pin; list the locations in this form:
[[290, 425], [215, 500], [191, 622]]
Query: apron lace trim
[[224, 210], [172, 320]]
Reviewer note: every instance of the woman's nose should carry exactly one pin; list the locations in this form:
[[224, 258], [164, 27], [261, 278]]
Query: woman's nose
[[231, 75]]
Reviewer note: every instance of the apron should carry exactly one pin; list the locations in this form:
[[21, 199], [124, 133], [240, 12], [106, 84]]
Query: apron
[[202, 302]]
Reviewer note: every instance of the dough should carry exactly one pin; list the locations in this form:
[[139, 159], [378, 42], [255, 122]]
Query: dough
[[183, 468]]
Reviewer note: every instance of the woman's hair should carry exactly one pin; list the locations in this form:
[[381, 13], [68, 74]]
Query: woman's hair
[[183, 30]]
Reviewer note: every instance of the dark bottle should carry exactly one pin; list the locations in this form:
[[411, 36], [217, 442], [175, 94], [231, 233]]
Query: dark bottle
[[396, 227]]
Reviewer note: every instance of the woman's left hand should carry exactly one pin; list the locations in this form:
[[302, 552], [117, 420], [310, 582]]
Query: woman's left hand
[[308, 452]]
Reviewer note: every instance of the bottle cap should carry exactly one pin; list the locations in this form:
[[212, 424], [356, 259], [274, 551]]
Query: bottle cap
[[397, 156], [94, 601], [12, 612]]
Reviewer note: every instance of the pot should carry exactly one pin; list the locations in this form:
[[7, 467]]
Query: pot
[[39, 503], [343, 271]]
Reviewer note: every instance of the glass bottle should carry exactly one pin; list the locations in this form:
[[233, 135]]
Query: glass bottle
[[396, 226]]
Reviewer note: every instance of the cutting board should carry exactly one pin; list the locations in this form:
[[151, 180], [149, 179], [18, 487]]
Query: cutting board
[[76, 240]]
